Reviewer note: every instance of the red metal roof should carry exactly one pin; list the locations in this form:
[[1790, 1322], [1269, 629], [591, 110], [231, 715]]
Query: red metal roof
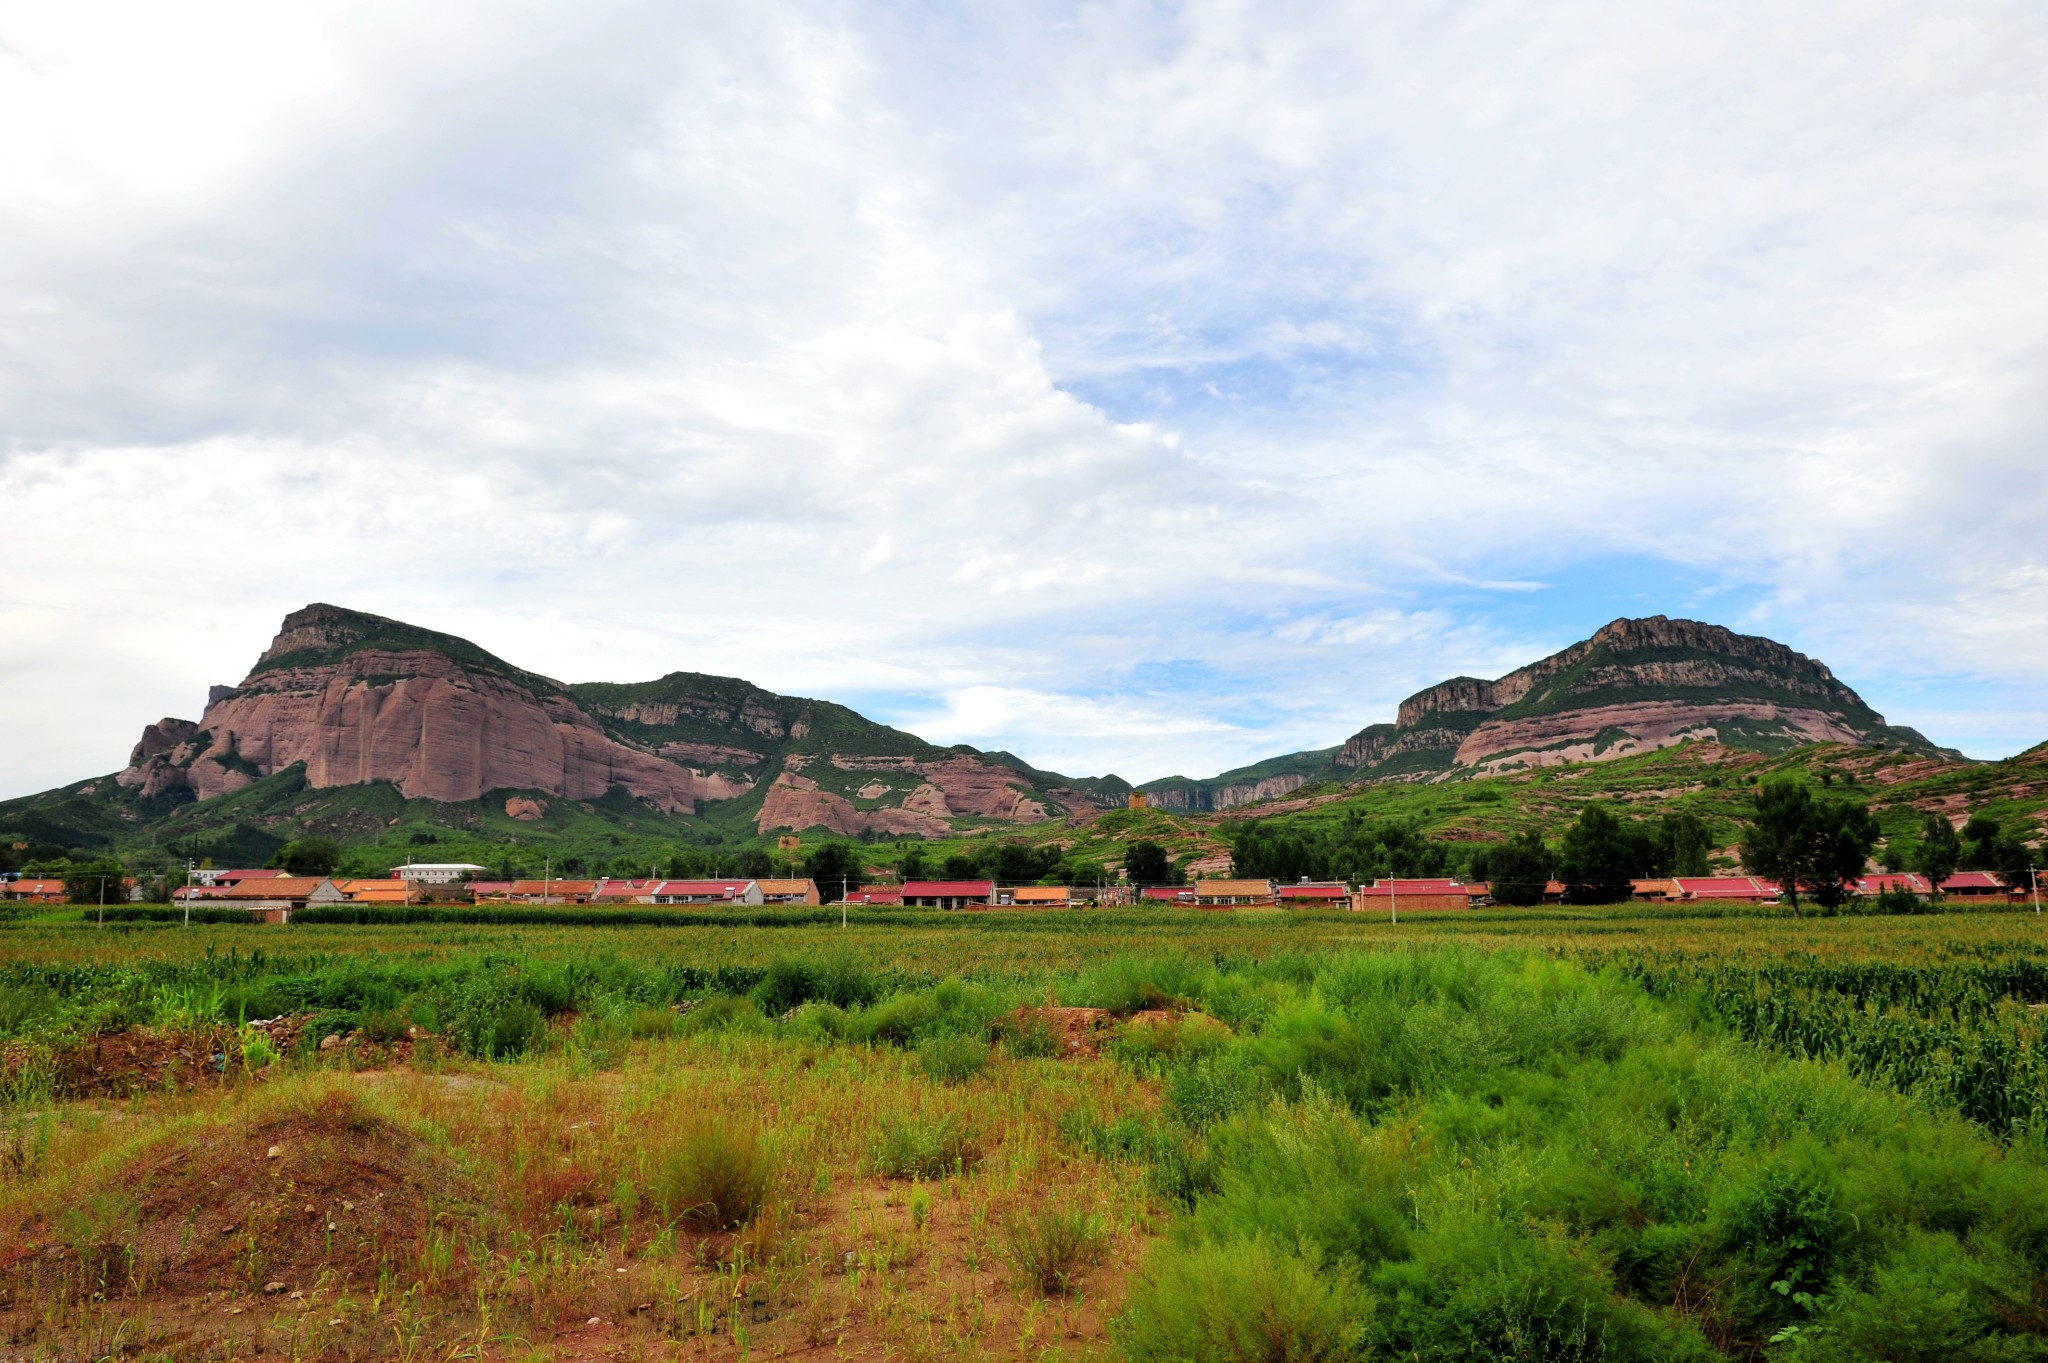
[[1315, 892], [1437, 886], [1972, 880], [947, 889], [1172, 894], [1891, 880], [727, 888], [1723, 887]]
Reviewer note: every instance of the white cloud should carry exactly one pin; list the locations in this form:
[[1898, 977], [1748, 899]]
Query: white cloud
[[1257, 352]]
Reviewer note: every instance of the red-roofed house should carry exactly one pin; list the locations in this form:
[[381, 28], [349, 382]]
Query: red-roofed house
[[1735, 889], [1334, 893], [876, 894], [1169, 894], [949, 894], [1893, 881], [1418, 895], [32, 890], [225, 876], [1974, 885], [735, 891], [547, 891]]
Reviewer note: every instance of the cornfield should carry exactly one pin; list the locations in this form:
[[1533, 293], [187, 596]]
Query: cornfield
[[1961, 1034]]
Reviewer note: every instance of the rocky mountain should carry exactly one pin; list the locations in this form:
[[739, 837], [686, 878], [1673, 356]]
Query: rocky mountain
[[346, 699], [1635, 685]]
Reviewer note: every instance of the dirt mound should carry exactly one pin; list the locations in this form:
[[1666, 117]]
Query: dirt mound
[[333, 1191], [1075, 1031]]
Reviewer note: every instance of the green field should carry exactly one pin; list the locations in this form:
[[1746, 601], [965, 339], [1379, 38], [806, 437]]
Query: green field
[[1607, 1133]]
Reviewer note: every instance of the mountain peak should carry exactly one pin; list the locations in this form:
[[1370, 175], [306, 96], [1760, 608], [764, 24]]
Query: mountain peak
[[321, 634]]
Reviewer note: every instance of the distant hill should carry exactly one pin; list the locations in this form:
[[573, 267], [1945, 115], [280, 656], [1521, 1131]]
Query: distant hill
[[1635, 686], [348, 721]]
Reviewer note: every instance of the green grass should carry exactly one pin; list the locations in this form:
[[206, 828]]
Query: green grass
[[1590, 1133]]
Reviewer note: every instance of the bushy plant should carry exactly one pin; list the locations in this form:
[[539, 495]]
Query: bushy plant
[[919, 1145], [1256, 1302], [951, 1059], [1049, 1247], [715, 1175]]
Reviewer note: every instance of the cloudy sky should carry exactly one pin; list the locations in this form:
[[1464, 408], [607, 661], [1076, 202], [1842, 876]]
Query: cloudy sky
[[1140, 387]]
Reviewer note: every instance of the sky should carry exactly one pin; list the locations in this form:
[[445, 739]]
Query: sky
[[1142, 388]]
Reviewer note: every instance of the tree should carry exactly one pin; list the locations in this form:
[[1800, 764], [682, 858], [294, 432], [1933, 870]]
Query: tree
[[916, 865], [753, 863], [1806, 843], [1684, 841], [836, 866], [1939, 853], [2007, 858], [1597, 857], [104, 881], [309, 856], [1145, 863], [960, 866], [1518, 870]]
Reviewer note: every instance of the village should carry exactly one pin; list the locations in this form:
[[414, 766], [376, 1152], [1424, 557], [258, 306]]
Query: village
[[272, 895]]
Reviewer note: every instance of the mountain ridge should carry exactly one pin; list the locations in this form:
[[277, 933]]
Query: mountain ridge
[[1633, 685]]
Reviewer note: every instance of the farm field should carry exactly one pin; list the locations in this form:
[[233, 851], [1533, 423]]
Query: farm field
[[1627, 1132]]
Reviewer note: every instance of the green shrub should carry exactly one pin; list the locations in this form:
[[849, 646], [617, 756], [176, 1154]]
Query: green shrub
[[1210, 1088], [921, 1146], [895, 1020], [716, 1176], [951, 1059], [1255, 1302], [491, 1022], [1050, 1246], [720, 1013]]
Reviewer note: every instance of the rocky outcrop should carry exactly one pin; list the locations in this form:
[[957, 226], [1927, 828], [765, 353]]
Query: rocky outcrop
[[1603, 732], [953, 787], [1635, 685], [794, 801], [435, 726]]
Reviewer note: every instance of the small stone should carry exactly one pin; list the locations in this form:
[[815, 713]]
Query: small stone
[[298, 1296], [592, 1321], [234, 1310], [348, 1206], [272, 1289], [329, 1042], [331, 1226], [273, 1152], [336, 1320]]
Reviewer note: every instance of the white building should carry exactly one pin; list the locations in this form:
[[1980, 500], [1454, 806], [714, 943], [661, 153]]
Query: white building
[[436, 872]]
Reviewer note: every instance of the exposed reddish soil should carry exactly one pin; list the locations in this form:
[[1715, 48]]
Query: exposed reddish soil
[[221, 1232]]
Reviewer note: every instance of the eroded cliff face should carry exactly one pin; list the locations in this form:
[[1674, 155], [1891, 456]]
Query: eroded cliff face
[[419, 720], [357, 698], [935, 793], [1633, 686]]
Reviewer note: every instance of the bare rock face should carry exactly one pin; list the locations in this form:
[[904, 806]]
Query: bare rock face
[[1633, 686], [354, 698], [795, 801], [439, 727]]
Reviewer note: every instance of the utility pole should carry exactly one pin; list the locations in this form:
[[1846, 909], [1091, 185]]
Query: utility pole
[[188, 891], [547, 878], [1393, 900], [2034, 878]]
